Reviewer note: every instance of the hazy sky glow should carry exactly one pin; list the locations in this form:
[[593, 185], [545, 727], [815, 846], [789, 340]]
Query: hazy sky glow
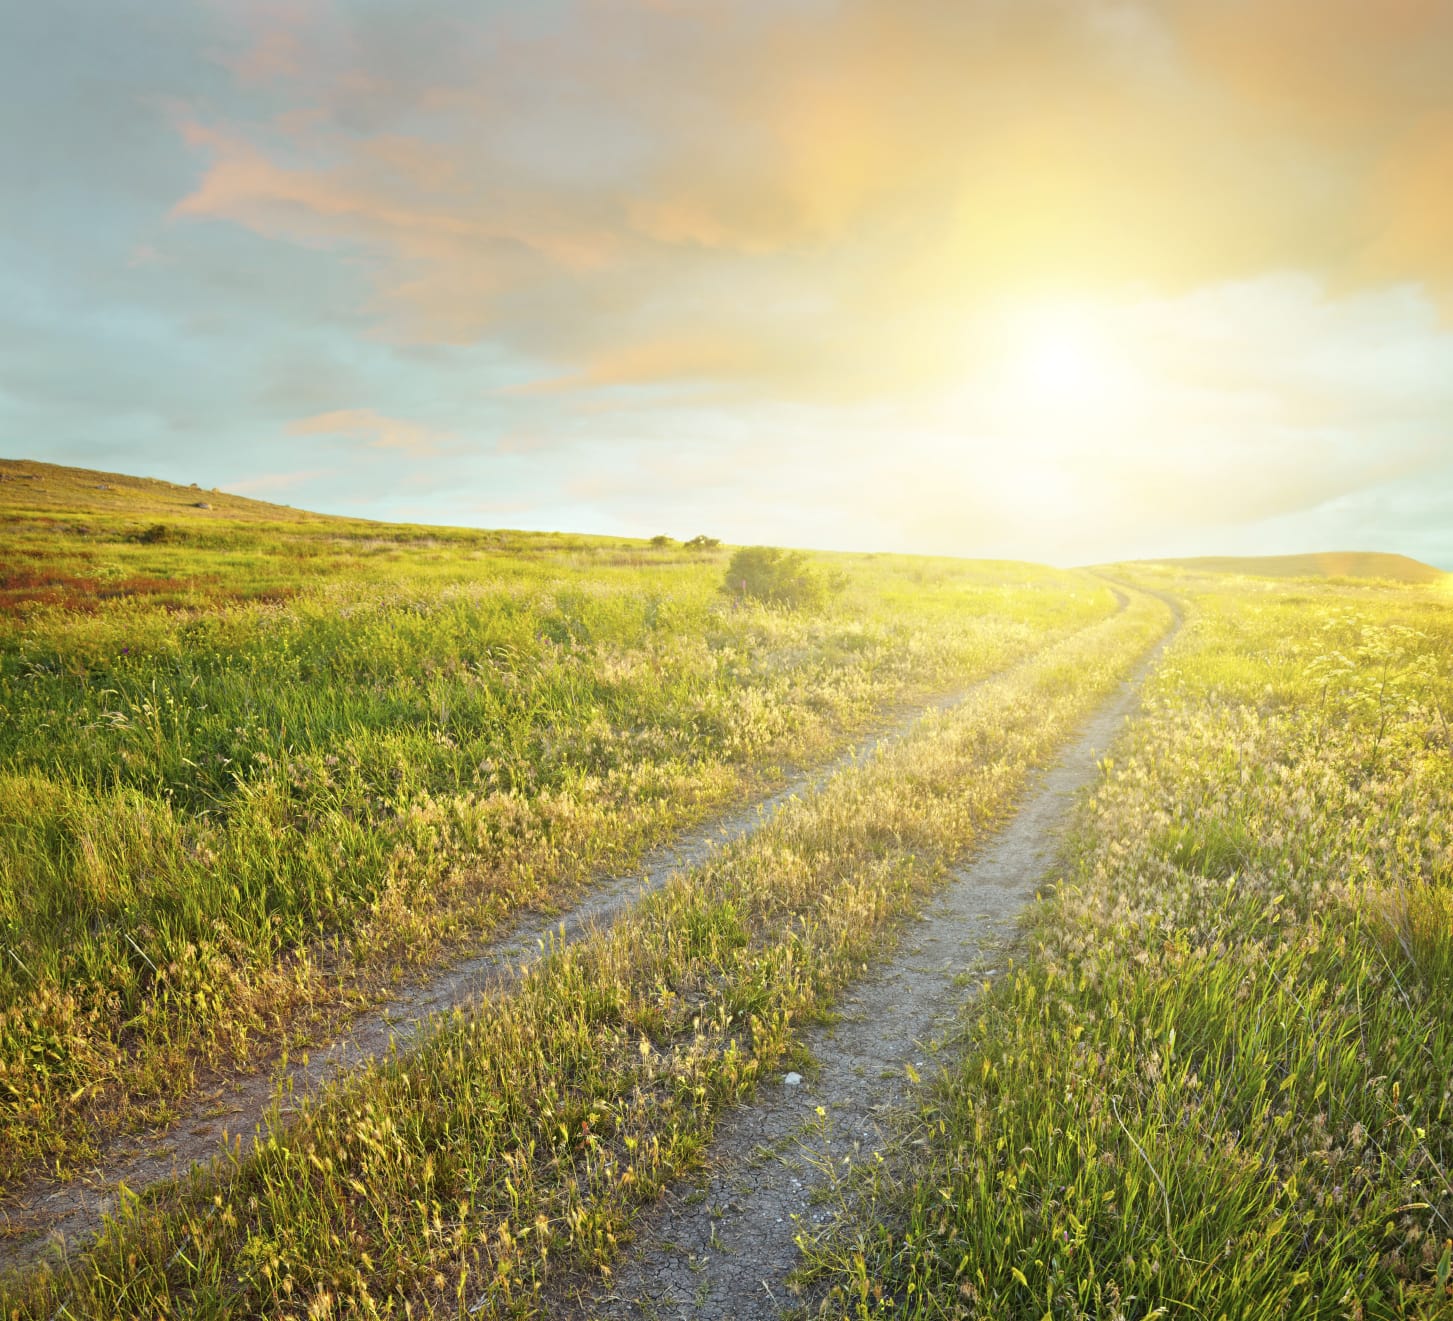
[[1053, 279]]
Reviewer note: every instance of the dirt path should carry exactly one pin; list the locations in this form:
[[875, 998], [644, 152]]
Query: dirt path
[[724, 1246], [61, 1216]]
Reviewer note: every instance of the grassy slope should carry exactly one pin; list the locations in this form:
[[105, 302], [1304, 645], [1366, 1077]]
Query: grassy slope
[[79, 539], [1324, 564], [224, 820], [1217, 1083], [26, 485]]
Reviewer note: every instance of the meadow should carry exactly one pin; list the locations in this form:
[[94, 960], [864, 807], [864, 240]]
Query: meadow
[[1216, 1079], [506, 1157], [260, 766], [227, 822]]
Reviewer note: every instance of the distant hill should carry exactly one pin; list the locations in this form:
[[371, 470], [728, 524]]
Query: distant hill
[[1323, 564], [49, 487]]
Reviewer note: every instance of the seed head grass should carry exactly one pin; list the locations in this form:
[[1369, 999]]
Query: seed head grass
[[1216, 1081]]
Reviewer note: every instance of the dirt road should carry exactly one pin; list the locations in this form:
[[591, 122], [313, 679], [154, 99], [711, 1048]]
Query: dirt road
[[53, 1216], [725, 1245]]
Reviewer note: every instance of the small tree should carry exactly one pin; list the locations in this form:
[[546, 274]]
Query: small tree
[[774, 576], [703, 542], [661, 541]]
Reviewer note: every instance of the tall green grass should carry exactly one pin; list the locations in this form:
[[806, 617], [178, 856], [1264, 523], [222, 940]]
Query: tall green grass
[[1219, 1080], [222, 822], [512, 1149]]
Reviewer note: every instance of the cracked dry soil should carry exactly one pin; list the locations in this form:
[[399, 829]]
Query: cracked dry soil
[[59, 1217], [723, 1247]]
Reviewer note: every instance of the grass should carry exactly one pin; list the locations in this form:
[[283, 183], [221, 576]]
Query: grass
[[225, 822], [508, 1154], [1217, 1080], [255, 764]]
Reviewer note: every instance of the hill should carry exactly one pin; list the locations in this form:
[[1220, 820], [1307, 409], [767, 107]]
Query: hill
[[1322, 564], [77, 537], [30, 486]]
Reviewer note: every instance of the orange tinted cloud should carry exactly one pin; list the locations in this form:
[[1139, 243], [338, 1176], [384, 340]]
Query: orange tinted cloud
[[1409, 205], [374, 430], [610, 193], [444, 257], [682, 357], [1329, 67], [276, 481]]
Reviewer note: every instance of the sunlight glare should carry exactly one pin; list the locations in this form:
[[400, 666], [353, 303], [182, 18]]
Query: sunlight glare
[[1061, 356]]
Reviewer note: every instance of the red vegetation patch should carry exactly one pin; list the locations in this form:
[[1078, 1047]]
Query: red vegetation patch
[[23, 590], [26, 588], [31, 579]]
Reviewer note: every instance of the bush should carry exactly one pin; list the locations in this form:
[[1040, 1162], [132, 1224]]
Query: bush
[[661, 541], [703, 542], [775, 576]]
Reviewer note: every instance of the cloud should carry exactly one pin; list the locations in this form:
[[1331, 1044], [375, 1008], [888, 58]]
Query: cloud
[[756, 266], [683, 357], [777, 193], [277, 481], [1234, 407], [376, 431], [444, 264]]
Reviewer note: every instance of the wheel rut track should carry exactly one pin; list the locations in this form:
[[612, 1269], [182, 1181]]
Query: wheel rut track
[[724, 1245], [59, 1218]]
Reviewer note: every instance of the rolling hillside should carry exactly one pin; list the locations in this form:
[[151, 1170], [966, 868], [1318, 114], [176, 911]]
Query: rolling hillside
[[26, 485], [1322, 564]]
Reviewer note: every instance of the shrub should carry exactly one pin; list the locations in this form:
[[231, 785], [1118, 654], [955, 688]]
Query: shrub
[[703, 542], [661, 541], [775, 576]]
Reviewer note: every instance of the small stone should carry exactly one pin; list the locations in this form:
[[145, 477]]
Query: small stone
[[793, 1080]]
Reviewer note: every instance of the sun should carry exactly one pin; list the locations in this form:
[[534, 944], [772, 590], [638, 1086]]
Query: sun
[[1059, 363], [1060, 356]]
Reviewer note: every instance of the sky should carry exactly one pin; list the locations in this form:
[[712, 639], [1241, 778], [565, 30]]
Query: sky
[[1060, 280]]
